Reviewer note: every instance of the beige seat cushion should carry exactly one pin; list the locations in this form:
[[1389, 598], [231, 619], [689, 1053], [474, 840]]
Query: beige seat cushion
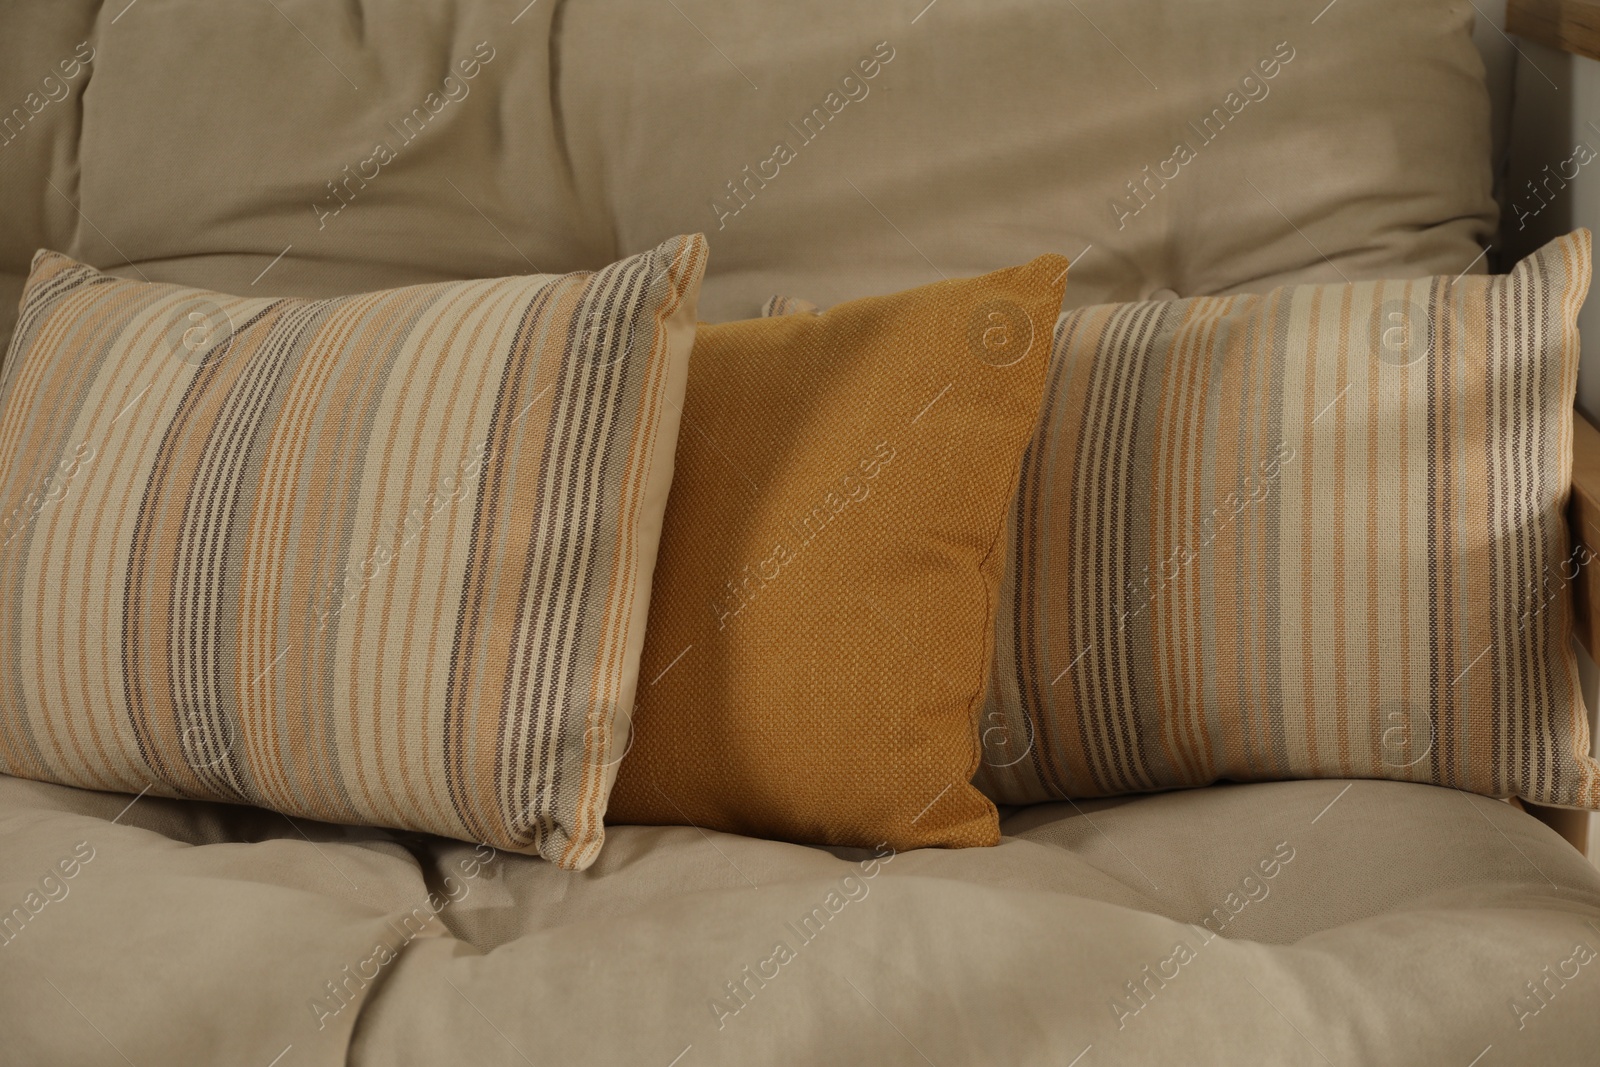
[[1399, 924]]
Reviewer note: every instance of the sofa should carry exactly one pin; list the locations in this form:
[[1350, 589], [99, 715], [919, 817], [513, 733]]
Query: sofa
[[300, 148]]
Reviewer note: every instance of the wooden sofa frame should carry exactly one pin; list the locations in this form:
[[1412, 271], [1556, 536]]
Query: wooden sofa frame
[[1583, 520]]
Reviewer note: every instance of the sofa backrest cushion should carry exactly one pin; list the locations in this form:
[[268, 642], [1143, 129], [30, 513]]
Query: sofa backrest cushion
[[372, 145]]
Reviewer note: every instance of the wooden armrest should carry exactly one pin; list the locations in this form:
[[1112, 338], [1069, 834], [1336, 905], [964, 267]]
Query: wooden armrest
[[1583, 519], [1565, 25]]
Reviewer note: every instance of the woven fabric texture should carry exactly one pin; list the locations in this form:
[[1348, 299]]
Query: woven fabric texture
[[820, 633], [381, 559], [1315, 533]]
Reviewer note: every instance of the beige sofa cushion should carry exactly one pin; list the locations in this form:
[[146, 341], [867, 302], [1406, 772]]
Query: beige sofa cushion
[[201, 141], [200, 137], [1002, 130], [1383, 923]]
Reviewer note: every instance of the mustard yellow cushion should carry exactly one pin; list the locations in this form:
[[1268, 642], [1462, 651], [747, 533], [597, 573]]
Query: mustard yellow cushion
[[820, 631]]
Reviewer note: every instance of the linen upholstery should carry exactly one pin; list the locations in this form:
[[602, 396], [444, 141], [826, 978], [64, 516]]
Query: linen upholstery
[[1008, 128], [381, 559], [200, 137], [1316, 533], [820, 630], [1403, 930]]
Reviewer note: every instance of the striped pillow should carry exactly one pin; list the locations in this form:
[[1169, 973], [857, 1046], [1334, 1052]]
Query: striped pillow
[[380, 559], [1316, 533]]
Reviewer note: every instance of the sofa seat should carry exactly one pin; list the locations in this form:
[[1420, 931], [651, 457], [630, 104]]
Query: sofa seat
[[1285, 923]]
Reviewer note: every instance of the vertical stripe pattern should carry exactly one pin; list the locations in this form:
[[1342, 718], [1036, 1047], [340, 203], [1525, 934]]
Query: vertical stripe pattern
[[381, 559], [1315, 533]]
